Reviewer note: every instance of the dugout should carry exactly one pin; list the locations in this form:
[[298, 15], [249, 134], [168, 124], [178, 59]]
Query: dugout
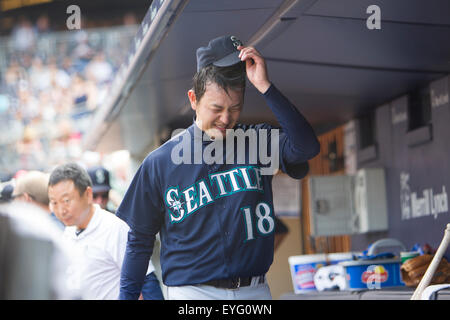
[[386, 89]]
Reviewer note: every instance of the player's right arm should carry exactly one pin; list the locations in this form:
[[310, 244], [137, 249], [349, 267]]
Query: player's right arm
[[299, 142], [135, 264], [141, 210]]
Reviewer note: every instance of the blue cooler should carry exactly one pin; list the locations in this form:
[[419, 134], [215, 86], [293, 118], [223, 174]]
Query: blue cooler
[[375, 271], [373, 274]]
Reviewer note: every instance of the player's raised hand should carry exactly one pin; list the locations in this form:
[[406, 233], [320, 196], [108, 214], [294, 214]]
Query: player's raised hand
[[255, 67]]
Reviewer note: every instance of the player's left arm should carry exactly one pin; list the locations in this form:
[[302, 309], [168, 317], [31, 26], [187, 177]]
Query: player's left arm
[[301, 143]]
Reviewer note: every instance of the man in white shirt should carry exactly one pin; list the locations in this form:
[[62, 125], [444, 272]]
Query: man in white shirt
[[99, 237]]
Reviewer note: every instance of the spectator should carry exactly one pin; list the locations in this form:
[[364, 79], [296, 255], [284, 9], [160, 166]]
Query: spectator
[[39, 75], [99, 70], [99, 236], [66, 143], [30, 149], [42, 25], [13, 74], [42, 29], [67, 66], [28, 104], [26, 59], [83, 52], [58, 77], [79, 91], [47, 107], [23, 35]]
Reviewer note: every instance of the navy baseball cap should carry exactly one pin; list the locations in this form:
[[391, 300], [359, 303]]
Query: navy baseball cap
[[221, 52], [100, 179]]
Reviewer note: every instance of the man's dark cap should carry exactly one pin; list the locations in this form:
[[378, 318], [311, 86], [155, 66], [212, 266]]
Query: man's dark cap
[[221, 52], [100, 179]]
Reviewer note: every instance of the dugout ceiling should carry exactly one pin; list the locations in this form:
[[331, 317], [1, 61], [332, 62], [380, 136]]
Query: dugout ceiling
[[320, 53]]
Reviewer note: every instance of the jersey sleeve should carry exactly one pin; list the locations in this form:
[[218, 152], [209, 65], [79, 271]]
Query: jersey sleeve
[[141, 207], [297, 140], [294, 169]]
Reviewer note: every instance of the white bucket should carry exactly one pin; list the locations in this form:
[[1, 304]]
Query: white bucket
[[303, 268]]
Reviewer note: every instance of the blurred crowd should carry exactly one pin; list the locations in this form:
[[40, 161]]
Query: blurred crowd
[[51, 84]]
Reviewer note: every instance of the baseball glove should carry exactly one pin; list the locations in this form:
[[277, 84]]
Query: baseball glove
[[412, 270]]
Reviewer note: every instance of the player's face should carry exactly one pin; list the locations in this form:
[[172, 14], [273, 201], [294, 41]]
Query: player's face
[[101, 198], [217, 110], [68, 205]]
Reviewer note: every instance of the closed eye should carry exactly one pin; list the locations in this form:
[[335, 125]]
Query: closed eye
[[218, 108]]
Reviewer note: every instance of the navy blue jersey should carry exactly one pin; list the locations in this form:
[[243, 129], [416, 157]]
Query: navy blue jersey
[[216, 220]]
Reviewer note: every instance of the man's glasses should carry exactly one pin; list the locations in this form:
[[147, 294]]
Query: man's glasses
[[102, 195]]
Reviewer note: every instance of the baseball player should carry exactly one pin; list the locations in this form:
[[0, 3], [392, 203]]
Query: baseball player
[[101, 187], [215, 218]]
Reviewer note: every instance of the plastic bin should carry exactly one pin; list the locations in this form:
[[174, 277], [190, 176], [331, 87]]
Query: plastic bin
[[303, 268], [373, 274]]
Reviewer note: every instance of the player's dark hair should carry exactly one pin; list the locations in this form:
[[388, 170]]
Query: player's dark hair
[[71, 171], [232, 77]]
